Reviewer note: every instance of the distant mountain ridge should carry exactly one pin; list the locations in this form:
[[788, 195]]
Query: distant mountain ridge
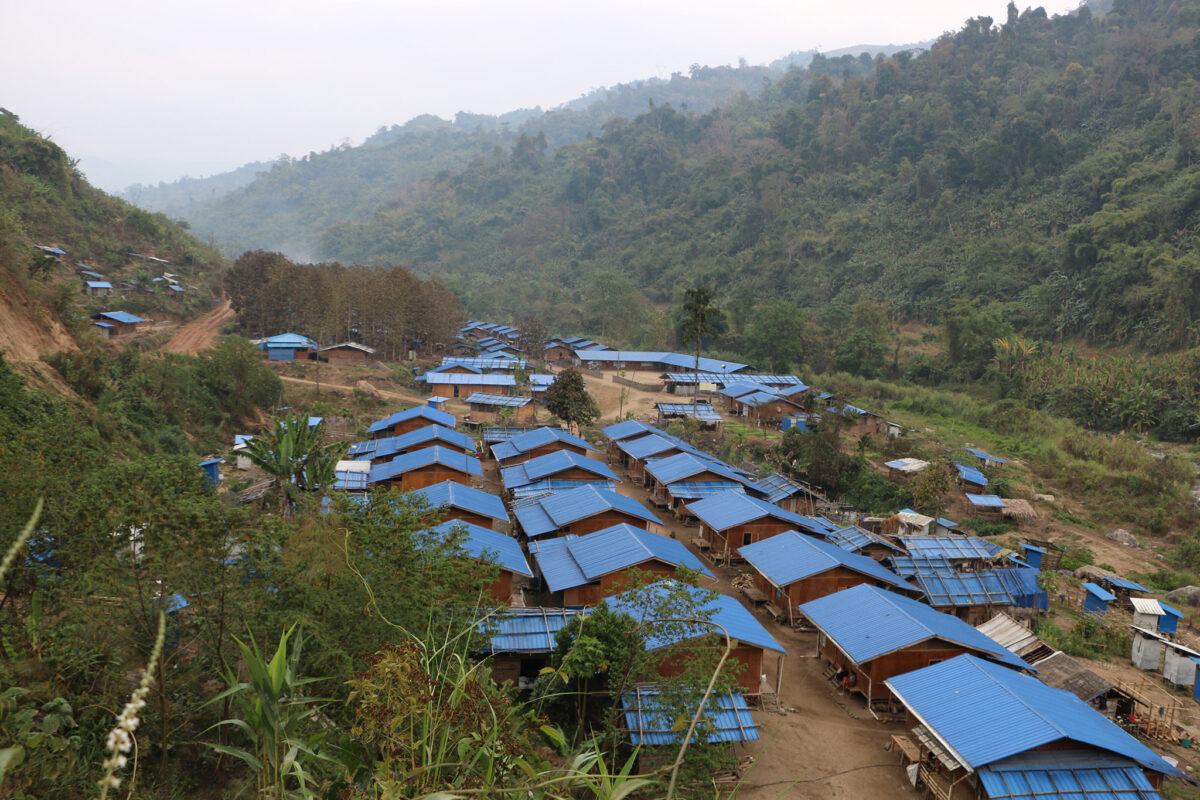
[[286, 205]]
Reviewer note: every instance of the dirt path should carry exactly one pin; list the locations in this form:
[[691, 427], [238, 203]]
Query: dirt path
[[341, 387], [199, 334]]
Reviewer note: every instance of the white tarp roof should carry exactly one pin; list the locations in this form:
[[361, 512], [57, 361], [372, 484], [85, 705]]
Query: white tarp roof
[[1147, 605]]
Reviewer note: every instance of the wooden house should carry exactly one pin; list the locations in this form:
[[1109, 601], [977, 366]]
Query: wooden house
[[492, 547], [487, 407], [465, 503], [870, 634], [422, 468], [979, 729], [349, 352], [379, 451], [97, 288], [538, 442], [675, 480], [732, 519], [622, 431], [559, 465], [581, 510], [287, 347], [583, 570], [752, 644], [524, 640], [120, 323], [636, 451], [404, 421], [463, 384], [791, 569]]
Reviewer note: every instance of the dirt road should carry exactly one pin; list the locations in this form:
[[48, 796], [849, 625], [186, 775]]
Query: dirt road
[[341, 387], [199, 334]]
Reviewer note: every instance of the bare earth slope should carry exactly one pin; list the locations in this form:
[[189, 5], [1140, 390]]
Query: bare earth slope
[[199, 334]]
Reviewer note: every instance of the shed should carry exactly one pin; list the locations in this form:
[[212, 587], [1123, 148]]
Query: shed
[[986, 504], [986, 459], [464, 503], [1033, 554], [1146, 649], [581, 510], [559, 465], [970, 478], [1012, 635], [422, 468], [1096, 599], [212, 476], [379, 451], [351, 476], [583, 570], [404, 421], [872, 634], [996, 733], [1146, 612], [122, 322], [97, 288], [523, 640], [493, 547], [791, 569], [731, 519], [647, 722], [751, 641]]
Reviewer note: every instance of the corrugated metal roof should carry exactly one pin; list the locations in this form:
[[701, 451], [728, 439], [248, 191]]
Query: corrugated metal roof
[[423, 412], [549, 486], [984, 455], [791, 556], [694, 490], [446, 367], [540, 438], [478, 542], [956, 589], [497, 433], [985, 713], [688, 378], [971, 475], [664, 359], [1007, 632], [1066, 776], [485, 363], [1099, 591], [1125, 583], [382, 448], [423, 458], [528, 630], [555, 564], [907, 465], [726, 718], [630, 427], [550, 464], [854, 539], [701, 411], [682, 466], [501, 400], [735, 508], [914, 565], [623, 545], [470, 379], [867, 622], [554, 511], [646, 446], [1146, 605], [451, 495], [289, 340], [726, 612], [986, 501], [99, 284], [740, 389], [951, 547], [778, 487], [119, 316], [818, 526]]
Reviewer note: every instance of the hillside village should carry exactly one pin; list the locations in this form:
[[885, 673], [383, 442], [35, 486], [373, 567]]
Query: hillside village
[[883, 620]]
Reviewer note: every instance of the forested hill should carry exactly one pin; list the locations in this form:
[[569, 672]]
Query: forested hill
[[1046, 167], [286, 205]]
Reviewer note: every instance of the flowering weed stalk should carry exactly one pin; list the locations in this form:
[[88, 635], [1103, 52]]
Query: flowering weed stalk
[[120, 739]]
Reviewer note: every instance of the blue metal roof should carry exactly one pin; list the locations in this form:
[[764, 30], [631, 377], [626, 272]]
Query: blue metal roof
[[647, 446], [779, 487], [555, 564], [951, 547], [726, 612], [726, 718], [550, 464], [423, 458], [382, 448], [423, 412], [1022, 584], [119, 316], [695, 490], [502, 400], [503, 362], [1099, 591], [791, 556], [539, 437], [723, 378], [348, 481], [103, 324], [470, 379], [444, 367], [867, 622], [984, 455], [486, 544], [963, 589], [288, 340], [626, 429], [740, 389], [913, 565], [986, 501], [946, 523], [99, 285], [1125, 583], [451, 495], [701, 411], [551, 512], [735, 508], [971, 475], [854, 539], [528, 630], [550, 486], [818, 526], [576, 560], [1065, 775], [682, 466], [984, 713], [664, 359]]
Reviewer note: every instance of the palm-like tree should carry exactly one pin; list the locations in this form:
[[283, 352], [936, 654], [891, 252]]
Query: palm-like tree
[[295, 455]]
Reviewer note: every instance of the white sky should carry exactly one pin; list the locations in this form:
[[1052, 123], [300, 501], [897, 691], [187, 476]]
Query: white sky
[[148, 90]]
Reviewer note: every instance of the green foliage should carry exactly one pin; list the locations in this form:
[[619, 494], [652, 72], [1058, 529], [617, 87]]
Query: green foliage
[[931, 486], [1089, 638], [567, 399], [296, 455], [1076, 556]]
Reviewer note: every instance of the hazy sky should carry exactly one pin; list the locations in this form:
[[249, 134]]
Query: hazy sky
[[148, 90]]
